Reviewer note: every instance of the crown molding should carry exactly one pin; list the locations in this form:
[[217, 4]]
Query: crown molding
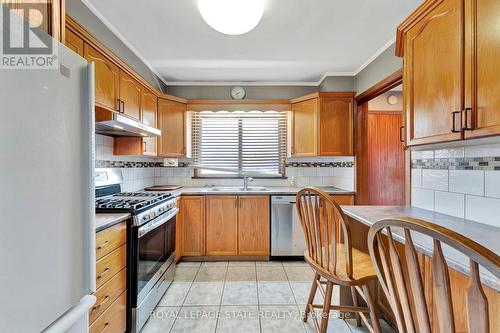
[[231, 83], [122, 38]]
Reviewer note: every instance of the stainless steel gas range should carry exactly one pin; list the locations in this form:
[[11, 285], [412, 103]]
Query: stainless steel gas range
[[150, 242]]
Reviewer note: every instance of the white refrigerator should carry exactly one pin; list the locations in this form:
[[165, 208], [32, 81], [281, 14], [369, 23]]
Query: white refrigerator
[[47, 234]]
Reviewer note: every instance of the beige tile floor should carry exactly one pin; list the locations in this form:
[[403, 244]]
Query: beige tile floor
[[242, 297]]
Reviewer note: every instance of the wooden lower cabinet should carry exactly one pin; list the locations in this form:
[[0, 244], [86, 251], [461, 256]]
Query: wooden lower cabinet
[[109, 313], [222, 225], [193, 225], [253, 225], [114, 319]]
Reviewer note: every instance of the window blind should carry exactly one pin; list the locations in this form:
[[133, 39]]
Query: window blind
[[239, 143]]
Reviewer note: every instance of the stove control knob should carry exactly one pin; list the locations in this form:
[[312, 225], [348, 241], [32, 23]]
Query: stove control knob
[[144, 218]]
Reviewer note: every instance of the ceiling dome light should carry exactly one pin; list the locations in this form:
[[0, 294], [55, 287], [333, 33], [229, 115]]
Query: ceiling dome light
[[231, 17]]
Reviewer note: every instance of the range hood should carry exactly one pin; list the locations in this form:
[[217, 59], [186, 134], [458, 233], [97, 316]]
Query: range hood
[[121, 125]]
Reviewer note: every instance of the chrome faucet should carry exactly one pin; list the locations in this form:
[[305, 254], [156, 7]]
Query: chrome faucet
[[246, 179]]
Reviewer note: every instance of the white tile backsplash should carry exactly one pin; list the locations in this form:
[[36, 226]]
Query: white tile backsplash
[[435, 179], [492, 184], [416, 177], [449, 203], [422, 198], [470, 194], [483, 150], [482, 209], [467, 181]]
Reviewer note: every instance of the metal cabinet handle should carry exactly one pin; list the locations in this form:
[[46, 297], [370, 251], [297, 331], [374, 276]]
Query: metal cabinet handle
[[145, 145], [100, 304], [118, 105], [103, 273], [123, 106], [466, 124], [102, 245], [401, 136], [454, 122]]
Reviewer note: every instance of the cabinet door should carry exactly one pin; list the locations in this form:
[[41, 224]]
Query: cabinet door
[[48, 16], [483, 68], [336, 126], [253, 225], [130, 95], [72, 41], [171, 122], [305, 128], [106, 79], [434, 57], [193, 225], [149, 111], [222, 225], [179, 231]]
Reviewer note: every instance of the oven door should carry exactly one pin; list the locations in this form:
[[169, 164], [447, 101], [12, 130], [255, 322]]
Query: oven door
[[155, 247]]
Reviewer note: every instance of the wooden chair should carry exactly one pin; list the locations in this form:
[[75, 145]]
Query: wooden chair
[[401, 280], [333, 259]]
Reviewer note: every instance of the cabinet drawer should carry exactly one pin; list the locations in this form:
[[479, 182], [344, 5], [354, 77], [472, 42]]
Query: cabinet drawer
[[110, 239], [113, 320], [108, 293], [111, 264]]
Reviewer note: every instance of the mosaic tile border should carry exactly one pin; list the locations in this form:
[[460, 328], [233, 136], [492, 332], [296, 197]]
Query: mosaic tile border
[[320, 164], [154, 164], [460, 163], [132, 164]]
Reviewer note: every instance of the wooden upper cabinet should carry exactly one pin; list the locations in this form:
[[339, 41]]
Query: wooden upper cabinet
[[106, 79], [253, 225], [193, 225], [482, 68], [171, 122], [48, 15], [433, 90], [74, 42], [222, 225], [305, 127], [149, 112], [336, 126], [130, 95]]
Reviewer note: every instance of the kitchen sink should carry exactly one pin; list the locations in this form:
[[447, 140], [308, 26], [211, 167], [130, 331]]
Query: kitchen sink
[[236, 189]]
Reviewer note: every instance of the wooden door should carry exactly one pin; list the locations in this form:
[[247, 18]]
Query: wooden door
[[305, 128], [149, 111], [385, 174], [106, 79], [482, 68], [222, 225], [73, 42], [336, 127], [434, 89], [130, 95], [171, 122], [253, 225], [193, 225]]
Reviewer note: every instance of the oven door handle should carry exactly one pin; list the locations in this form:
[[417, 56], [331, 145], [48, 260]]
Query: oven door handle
[[156, 223]]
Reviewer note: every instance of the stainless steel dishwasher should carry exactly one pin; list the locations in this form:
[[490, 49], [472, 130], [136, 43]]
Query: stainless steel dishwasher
[[287, 237]]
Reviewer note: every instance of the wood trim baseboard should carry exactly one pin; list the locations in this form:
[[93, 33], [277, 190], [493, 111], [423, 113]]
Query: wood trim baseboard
[[393, 80], [225, 258]]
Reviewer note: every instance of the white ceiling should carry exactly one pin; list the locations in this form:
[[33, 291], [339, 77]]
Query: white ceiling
[[296, 40]]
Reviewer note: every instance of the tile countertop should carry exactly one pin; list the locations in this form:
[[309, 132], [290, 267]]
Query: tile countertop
[[104, 221], [483, 234], [270, 190]]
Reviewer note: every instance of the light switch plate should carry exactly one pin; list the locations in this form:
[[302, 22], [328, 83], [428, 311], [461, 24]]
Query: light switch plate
[[171, 162]]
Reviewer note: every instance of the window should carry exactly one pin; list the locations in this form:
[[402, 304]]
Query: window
[[239, 143]]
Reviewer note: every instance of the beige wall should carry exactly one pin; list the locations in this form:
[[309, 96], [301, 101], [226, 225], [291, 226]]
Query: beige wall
[[380, 103]]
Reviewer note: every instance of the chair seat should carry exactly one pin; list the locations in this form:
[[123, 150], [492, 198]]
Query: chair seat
[[362, 267]]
